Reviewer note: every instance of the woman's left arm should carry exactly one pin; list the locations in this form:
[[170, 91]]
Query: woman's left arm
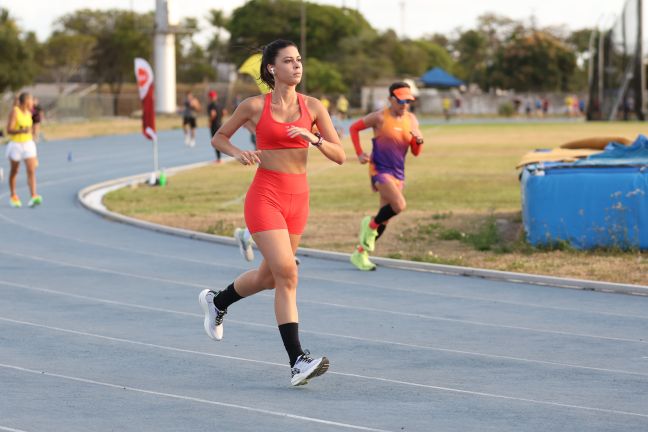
[[330, 141]]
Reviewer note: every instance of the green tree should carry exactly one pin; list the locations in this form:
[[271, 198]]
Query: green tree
[[410, 59], [580, 41], [259, 22], [535, 61], [119, 36], [193, 65], [435, 55], [217, 48], [323, 77], [17, 65], [473, 57], [360, 63], [63, 55]]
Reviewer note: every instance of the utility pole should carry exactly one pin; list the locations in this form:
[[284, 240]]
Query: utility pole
[[402, 11], [303, 44]]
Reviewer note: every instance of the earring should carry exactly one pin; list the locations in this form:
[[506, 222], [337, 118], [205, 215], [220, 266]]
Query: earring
[[272, 71]]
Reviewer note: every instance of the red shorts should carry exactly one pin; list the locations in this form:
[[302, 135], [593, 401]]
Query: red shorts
[[277, 200]]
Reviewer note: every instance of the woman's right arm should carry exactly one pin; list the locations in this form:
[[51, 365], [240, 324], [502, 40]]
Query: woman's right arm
[[221, 139], [369, 121]]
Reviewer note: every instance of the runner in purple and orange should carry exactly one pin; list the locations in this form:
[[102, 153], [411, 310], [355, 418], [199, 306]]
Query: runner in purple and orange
[[396, 130]]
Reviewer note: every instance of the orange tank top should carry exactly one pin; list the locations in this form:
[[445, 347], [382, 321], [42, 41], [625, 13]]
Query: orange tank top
[[273, 135]]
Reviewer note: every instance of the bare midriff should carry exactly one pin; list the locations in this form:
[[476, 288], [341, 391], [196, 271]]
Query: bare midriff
[[290, 161]]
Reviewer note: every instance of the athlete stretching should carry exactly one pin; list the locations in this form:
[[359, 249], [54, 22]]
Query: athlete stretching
[[396, 130], [276, 204]]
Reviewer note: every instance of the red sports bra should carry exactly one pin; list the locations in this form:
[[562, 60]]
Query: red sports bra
[[273, 135]]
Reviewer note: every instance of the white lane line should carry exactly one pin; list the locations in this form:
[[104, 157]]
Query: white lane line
[[193, 399], [479, 299], [273, 328], [130, 250], [368, 309], [8, 429], [103, 270], [470, 322], [348, 375], [323, 279]]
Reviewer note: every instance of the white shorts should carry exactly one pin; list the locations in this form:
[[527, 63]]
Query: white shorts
[[21, 151]]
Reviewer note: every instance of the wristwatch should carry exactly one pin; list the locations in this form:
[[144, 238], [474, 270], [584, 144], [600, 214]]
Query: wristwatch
[[319, 141]]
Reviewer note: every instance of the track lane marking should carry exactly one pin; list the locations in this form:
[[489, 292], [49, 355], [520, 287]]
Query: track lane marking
[[327, 334], [191, 399]]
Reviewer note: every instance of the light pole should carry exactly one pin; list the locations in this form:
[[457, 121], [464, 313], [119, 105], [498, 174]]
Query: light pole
[[303, 44]]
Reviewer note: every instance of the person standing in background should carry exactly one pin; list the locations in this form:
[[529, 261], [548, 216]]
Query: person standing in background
[[37, 118], [191, 108], [215, 112], [22, 148], [342, 106]]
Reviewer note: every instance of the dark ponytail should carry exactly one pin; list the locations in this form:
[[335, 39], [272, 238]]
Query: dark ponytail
[[22, 97], [269, 56]]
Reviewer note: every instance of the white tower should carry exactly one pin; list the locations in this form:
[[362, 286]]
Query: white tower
[[166, 21]]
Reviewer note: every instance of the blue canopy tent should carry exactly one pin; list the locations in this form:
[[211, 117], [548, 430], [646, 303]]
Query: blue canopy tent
[[437, 77]]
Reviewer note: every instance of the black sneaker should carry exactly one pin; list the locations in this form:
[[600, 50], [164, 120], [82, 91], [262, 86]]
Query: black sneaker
[[307, 367]]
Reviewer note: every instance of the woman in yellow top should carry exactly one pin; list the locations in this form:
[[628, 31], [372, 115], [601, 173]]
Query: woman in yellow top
[[22, 148]]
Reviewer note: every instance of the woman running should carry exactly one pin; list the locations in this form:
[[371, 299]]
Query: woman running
[[22, 148], [395, 131], [276, 205]]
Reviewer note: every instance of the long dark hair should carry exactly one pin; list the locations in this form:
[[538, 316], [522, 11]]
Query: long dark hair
[[22, 97], [269, 56]]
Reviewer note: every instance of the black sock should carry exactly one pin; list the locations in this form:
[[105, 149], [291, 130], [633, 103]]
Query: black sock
[[384, 214], [226, 297], [381, 229], [290, 336]]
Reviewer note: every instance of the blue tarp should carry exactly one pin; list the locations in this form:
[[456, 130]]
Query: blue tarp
[[600, 201], [437, 77], [620, 155]]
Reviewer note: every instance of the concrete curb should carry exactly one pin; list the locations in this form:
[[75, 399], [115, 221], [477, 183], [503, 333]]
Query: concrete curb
[[91, 197]]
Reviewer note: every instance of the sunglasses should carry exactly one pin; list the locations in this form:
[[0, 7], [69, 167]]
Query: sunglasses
[[403, 101]]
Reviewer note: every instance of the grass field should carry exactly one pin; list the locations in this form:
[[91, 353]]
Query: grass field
[[463, 202]]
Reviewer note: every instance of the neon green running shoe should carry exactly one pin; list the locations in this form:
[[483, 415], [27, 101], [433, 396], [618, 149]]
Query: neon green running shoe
[[35, 200], [367, 235], [15, 202], [361, 261]]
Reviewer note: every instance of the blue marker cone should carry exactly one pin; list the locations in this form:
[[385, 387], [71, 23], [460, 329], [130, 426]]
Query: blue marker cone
[[70, 156]]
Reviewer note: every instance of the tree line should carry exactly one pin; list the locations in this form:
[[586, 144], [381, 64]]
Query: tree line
[[344, 52]]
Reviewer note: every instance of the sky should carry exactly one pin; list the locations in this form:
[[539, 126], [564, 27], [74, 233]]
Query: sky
[[409, 18]]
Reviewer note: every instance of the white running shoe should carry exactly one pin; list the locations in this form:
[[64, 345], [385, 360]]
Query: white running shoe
[[192, 142], [307, 367], [213, 317], [187, 139], [245, 245]]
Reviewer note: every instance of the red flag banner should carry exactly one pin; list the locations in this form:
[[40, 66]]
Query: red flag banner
[[144, 76]]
